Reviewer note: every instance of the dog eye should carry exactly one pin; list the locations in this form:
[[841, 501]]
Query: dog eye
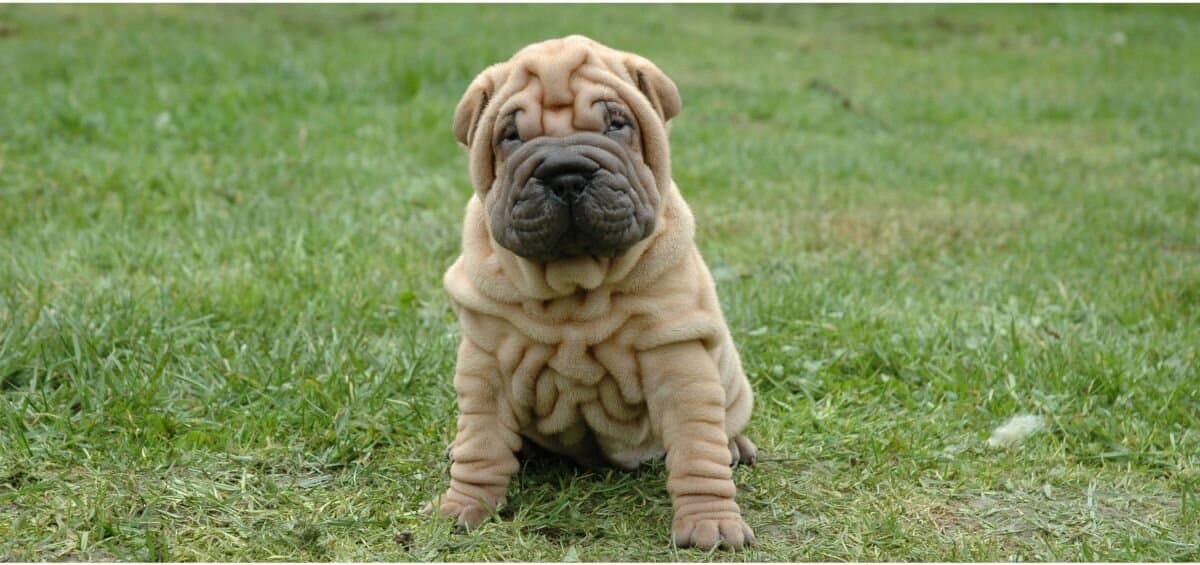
[[510, 134], [617, 123]]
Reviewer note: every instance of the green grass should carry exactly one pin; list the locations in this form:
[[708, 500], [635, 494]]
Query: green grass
[[223, 229]]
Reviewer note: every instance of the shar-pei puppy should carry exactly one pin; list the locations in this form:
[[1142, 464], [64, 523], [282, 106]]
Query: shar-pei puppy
[[590, 323]]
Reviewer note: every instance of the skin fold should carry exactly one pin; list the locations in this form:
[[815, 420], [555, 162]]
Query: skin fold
[[590, 322]]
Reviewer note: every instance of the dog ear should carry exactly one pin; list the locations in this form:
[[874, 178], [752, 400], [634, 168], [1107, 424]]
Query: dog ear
[[474, 102], [656, 86]]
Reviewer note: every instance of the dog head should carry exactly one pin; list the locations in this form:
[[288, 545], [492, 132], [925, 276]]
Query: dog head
[[568, 148]]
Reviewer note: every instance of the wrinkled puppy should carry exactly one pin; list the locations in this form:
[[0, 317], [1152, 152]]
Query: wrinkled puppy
[[590, 323]]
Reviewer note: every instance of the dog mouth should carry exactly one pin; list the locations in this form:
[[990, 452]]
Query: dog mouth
[[598, 219], [572, 197]]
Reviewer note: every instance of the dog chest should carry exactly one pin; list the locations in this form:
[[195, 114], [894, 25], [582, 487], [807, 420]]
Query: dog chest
[[564, 390], [557, 388], [571, 382]]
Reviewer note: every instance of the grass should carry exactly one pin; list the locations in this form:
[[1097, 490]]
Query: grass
[[222, 233]]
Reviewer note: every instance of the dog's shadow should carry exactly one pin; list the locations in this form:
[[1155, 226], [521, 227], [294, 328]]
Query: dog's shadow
[[564, 500]]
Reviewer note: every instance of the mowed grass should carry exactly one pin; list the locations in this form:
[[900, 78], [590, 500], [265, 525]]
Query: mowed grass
[[223, 229]]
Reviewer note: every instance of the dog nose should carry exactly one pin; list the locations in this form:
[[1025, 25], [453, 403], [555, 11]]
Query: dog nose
[[567, 186], [566, 175]]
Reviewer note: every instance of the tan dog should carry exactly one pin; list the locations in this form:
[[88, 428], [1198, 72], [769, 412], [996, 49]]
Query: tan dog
[[590, 323]]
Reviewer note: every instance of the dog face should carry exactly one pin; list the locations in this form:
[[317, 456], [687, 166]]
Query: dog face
[[568, 148]]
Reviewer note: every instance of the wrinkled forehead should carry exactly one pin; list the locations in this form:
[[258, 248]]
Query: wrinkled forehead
[[557, 84]]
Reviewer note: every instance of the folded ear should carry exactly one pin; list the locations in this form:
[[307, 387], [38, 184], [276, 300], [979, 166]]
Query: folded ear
[[474, 102], [658, 88]]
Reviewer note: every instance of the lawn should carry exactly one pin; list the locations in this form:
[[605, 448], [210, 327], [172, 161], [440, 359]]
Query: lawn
[[223, 230]]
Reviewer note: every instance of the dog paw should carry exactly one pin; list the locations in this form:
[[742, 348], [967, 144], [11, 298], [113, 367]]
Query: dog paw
[[707, 533], [467, 513], [742, 451]]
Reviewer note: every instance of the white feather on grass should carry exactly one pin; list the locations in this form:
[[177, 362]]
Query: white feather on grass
[[1015, 430]]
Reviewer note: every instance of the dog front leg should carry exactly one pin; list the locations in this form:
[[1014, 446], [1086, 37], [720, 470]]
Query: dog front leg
[[483, 452], [687, 406]]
